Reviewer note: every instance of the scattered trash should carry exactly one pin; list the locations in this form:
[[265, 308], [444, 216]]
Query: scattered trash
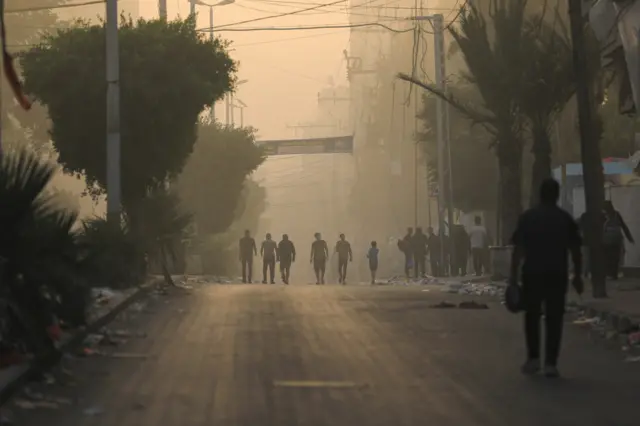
[[128, 355], [443, 305], [632, 359], [5, 419], [473, 305], [93, 411], [34, 396], [24, 404], [587, 321], [30, 405], [634, 338]]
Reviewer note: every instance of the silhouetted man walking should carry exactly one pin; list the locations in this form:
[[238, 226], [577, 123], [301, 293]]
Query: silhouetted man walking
[[435, 248], [419, 250], [247, 249], [286, 255], [319, 255], [479, 243], [544, 236], [343, 248], [405, 247], [269, 253]]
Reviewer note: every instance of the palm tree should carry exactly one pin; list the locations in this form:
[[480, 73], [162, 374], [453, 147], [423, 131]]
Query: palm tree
[[496, 62], [39, 249], [548, 86]]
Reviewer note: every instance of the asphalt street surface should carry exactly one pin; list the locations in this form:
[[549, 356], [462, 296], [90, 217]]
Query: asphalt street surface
[[251, 355]]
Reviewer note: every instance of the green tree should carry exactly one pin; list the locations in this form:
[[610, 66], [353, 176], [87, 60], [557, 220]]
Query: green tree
[[214, 176], [168, 75], [25, 27], [220, 252], [547, 89]]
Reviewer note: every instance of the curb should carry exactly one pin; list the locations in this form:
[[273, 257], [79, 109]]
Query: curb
[[52, 359]]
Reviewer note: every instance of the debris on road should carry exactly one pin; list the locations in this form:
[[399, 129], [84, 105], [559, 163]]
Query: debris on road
[[473, 305], [443, 305], [93, 411]]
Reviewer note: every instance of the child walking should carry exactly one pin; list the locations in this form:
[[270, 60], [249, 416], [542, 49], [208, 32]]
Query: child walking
[[372, 255]]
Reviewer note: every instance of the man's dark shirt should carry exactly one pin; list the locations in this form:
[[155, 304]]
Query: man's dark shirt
[[343, 248], [419, 244], [319, 249], [247, 247], [433, 242], [286, 250], [546, 234], [406, 244], [269, 249]]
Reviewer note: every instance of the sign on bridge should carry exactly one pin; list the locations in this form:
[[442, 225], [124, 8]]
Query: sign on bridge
[[332, 145]]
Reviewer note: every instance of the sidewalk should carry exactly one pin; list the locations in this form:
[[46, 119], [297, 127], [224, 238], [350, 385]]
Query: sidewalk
[[107, 304], [621, 309]]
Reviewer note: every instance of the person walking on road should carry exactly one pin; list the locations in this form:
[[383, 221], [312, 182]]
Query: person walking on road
[[372, 255], [247, 249], [319, 256], [479, 243], [419, 250], [343, 248], [404, 245], [543, 238], [461, 249], [269, 253], [434, 248], [615, 230], [584, 225], [286, 255]]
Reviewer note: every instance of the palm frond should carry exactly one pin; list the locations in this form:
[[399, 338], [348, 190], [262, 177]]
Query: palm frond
[[472, 112]]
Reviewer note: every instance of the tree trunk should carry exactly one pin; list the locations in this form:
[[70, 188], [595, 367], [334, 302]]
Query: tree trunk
[[510, 164], [541, 169], [595, 192]]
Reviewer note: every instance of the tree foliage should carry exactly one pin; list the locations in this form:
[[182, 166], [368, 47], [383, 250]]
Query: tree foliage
[[168, 75], [24, 29], [213, 178], [474, 167], [496, 63]]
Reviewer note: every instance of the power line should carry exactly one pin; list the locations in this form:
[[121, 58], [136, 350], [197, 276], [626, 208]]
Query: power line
[[310, 27], [323, 12], [246, 21], [288, 39]]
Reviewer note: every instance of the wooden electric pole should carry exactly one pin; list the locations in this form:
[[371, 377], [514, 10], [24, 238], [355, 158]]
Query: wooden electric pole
[[590, 148]]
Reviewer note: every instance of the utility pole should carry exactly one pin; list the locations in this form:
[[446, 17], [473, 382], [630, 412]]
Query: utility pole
[[212, 111], [590, 149], [438, 30], [162, 9], [113, 113]]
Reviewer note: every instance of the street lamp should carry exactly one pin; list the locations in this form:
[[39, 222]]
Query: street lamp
[[192, 11], [229, 104]]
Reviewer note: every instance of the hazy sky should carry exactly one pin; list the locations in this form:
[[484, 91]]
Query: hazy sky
[[284, 69]]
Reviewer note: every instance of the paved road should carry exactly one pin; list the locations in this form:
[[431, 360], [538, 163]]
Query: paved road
[[215, 357]]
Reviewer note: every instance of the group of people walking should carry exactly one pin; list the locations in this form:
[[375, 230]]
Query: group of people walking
[[284, 253], [448, 254]]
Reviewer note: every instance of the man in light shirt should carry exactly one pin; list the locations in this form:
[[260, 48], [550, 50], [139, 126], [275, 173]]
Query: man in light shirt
[[479, 242]]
